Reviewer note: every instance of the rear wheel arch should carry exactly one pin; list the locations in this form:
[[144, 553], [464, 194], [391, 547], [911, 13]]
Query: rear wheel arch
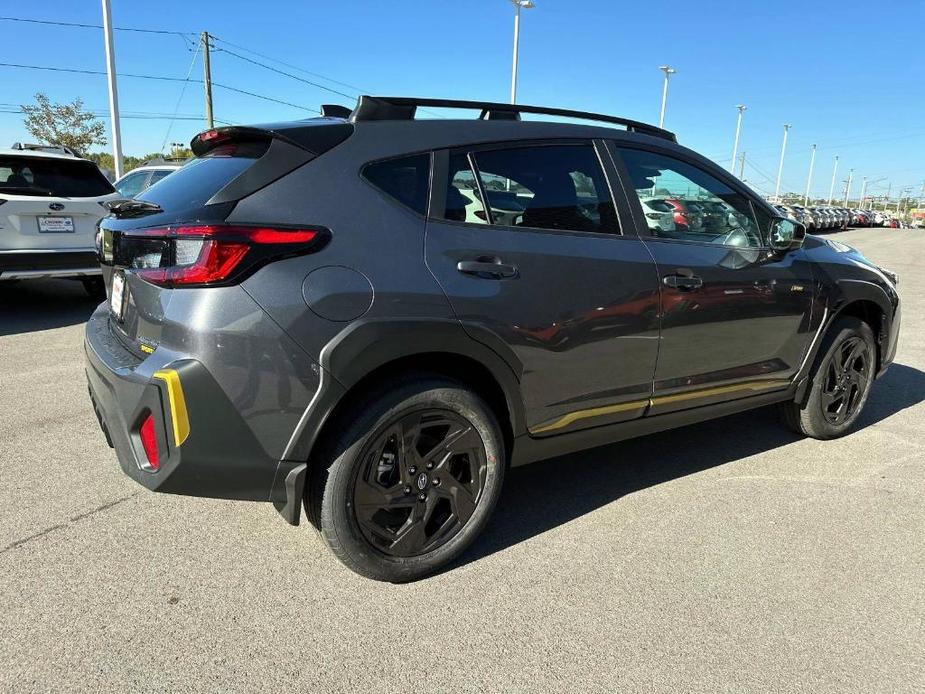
[[368, 352]]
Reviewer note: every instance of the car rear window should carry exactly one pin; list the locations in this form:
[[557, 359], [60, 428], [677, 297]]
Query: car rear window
[[192, 185], [60, 178], [406, 179]]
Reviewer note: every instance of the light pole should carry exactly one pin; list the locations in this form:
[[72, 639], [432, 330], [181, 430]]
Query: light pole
[[863, 190], [518, 6], [113, 92], [848, 185], [669, 71], [780, 168], [809, 178], [832, 187], [735, 143]]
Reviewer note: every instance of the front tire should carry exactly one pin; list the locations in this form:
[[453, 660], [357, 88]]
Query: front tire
[[839, 384], [411, 480]]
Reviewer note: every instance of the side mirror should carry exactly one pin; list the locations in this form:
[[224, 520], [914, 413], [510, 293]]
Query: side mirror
[[786, 235]]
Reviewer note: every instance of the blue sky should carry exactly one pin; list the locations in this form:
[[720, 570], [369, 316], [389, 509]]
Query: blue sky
[[848, 76]]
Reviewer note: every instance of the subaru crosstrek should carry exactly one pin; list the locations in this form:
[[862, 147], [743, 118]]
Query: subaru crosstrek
[[375, 316]]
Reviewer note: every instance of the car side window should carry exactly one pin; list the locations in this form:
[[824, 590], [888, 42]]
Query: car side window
[[406, 179], [463, 199], [157, 176], [700, 207], [559, 187], [133, 184]]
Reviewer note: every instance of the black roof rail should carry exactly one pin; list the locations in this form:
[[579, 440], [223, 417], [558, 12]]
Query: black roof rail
[[335, 111], [403, 108]]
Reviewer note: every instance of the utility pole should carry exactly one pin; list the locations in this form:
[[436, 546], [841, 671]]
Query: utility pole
[[113, 92], [742, 166], [735, 143], [809, 178], [669, 71], [780, 168], [832, 187], [848, 185], [207, 79]]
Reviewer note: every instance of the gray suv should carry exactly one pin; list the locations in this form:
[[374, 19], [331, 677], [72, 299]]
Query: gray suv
[[375, 316]]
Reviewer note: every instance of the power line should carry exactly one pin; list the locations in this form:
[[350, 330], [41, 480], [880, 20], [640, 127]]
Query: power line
[[359, 90], [287, 74], [162, 78], [81, 25], [176, 108], [134, 116]]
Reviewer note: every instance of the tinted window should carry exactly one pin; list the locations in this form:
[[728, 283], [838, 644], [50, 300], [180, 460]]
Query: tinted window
[[547, 187], [405, 179], [132, 184], [52, 177], [204, 176], [463, 199], [158, 175], [716, 213]]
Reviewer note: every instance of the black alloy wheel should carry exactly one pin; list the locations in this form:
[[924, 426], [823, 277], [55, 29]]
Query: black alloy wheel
[[846, 381], [420, 481], [840, 382], [408, 478]]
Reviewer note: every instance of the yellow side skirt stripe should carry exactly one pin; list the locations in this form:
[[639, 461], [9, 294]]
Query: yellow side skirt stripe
[[578, 415], [177, 402]]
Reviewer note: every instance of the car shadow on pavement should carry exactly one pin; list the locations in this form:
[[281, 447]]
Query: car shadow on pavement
[[547, 494], [33, 305]]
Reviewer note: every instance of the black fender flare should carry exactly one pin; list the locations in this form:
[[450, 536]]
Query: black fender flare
[[837, 298], [367, 345]]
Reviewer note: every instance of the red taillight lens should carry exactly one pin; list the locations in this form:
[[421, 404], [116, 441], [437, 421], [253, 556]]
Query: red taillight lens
[[149, 442], [210, 254]]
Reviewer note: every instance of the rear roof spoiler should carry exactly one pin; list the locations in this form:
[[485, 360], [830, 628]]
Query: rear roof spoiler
[[315, 135]]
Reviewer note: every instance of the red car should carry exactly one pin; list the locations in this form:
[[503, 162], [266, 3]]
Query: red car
[[687, 215]]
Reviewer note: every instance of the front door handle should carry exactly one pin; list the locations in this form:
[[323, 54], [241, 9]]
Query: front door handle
[[487, 268], [683, 283]]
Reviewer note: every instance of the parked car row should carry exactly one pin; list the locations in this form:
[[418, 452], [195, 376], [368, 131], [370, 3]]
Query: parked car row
[[822, 218]]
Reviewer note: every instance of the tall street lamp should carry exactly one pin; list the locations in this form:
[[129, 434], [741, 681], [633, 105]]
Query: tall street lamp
[[809, 178], [669, 71], [832, 187], [848, 185], [518, 6], [780, 168], [735, 143]]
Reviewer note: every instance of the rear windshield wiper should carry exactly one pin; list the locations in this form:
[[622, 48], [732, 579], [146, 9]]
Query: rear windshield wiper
[[24, 190], [124, 209]]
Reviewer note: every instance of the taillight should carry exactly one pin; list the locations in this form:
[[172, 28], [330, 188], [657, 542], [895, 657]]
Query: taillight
[[148, 436], [207, 255]]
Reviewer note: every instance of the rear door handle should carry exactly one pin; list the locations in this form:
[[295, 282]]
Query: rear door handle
[[487, 268], [683, 283]]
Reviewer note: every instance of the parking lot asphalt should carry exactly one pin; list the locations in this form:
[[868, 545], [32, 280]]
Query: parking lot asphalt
[[727, 556]]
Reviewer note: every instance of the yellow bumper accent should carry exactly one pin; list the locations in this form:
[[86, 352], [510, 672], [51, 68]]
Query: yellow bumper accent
[[177, 401]]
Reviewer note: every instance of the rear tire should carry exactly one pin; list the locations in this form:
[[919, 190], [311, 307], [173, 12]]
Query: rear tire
[[411, 479], [95, 288], [839, 383]]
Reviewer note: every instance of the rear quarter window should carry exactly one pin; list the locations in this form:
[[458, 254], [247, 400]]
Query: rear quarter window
[[406, 179]]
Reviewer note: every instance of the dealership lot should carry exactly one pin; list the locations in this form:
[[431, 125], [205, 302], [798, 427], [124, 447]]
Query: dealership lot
[[728, 556]]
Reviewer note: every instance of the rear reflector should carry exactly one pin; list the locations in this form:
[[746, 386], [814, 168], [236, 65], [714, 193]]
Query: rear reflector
[[149, 442], [207, 255]]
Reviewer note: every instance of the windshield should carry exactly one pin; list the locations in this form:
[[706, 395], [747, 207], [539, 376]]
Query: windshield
[[62, 178]]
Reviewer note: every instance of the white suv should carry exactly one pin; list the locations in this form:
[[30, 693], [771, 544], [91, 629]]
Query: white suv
[[50, 203]]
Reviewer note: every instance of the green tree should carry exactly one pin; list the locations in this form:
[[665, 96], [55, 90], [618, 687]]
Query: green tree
[[63, 124]]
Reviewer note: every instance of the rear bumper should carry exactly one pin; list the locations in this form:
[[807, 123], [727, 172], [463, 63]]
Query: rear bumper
[[32, 264], [212, 453]]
